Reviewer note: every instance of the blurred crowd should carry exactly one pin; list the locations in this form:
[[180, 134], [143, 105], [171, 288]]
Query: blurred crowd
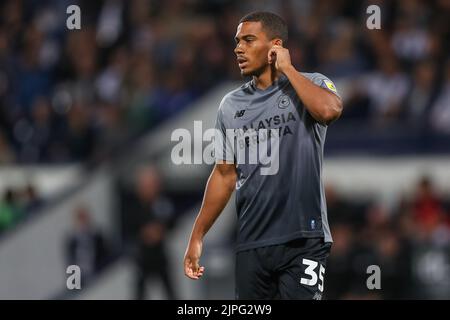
[[80, 95], [410, 242]]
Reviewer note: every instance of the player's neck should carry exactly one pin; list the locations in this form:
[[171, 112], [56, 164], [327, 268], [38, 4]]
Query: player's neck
[[266, 78]]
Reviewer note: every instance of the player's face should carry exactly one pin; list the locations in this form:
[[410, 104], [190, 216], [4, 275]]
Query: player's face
[[252, 48]]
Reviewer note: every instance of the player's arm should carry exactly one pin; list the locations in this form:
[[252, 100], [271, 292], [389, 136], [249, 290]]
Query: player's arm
[[323, 105], [219, 188]]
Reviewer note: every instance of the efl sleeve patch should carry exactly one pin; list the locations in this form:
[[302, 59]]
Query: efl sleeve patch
[[330, 85]]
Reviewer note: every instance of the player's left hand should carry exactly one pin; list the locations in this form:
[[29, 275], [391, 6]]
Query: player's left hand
[[281, 57]]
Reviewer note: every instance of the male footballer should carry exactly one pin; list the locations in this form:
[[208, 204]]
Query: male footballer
[[283, 238]]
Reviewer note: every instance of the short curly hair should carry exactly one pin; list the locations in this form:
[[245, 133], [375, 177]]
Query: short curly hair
[[273, 25]]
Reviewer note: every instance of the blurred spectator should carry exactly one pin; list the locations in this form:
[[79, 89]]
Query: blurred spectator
[[110, 131], [34, 79], [35, 138], [31, 199], [421, 94], [85, 245], [440, 111], [10, 210], [430, 267], [386, 88], [338, 272], [7, 155], [427, 206], [153, 217], [341, 211], [395, 263], [411, 41], [79, 134], [339, 57], [142, 94]]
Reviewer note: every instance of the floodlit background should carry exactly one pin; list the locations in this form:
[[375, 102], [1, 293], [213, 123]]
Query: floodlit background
[[86, 118]]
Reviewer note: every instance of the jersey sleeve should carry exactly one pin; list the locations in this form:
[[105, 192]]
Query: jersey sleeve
[[324, 82], [223, 144]]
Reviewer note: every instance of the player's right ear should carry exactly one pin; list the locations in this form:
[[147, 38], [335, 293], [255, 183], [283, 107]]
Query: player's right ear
[[278, 42]]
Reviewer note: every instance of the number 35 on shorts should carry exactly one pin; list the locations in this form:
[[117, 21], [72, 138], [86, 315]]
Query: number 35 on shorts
[[313, 273]]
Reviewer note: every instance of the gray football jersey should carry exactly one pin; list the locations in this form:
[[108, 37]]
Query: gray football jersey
[[282, 199]]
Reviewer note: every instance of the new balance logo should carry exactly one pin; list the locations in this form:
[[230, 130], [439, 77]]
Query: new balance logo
[[239, 113]]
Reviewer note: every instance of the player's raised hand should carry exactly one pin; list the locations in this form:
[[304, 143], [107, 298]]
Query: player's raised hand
[[281, 57], [192, 269]]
